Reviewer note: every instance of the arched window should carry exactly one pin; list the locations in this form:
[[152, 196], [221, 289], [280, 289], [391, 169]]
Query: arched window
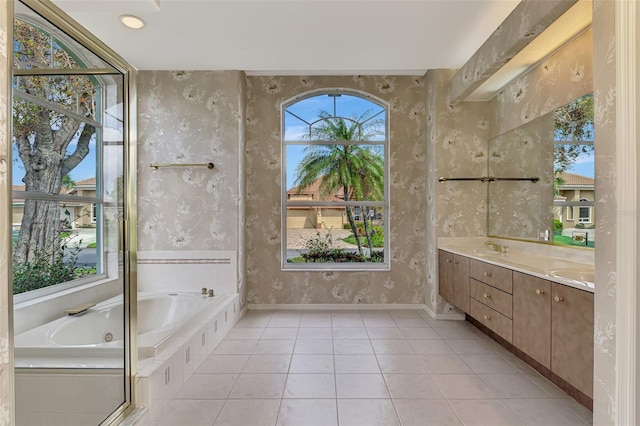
[[334, 171], [67, 158]]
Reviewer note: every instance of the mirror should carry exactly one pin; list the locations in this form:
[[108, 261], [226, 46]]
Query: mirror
[[558, 149]]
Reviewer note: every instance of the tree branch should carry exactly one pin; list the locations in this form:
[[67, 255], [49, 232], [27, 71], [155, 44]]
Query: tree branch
[[82, 149]]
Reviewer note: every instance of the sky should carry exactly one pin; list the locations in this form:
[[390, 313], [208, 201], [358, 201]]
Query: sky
[[307, 110]]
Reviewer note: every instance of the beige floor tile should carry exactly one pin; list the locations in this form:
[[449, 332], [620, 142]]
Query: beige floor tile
[[315, 322], [313, 347], [391, 347], [462, 386], [350, 333], [310, 386], [312, 364], [471, 347], [279, 333], [352, 347], [251, 321], [454, 333], [425, 412], [513, 386], [485, 412], [308, 412], [223, 364], [488, 364], [267, 364], [430, 347], [315, 333], [361, 386], [379, 322], [400, 364], [274, 347], [245, 412], [356, 364], [284, 322], [385, 333], [444, 364], [420, 386], [418, 333], [543, 412], [198, 412], [548, 387], [238, 333], [235, 347], [576, 408], [346, 322], [366, 412], [207, 386], [411, 322], [259, 386]]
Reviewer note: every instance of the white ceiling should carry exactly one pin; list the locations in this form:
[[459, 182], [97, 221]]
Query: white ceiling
[[295, 36]]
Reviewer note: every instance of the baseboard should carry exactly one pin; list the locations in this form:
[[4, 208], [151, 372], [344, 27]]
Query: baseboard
[[448, 316], [333, 307]]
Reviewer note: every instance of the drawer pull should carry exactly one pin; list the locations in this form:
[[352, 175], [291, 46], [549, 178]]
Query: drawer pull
[[487, 274], [538, 291], [558, 299], [487, 317], [487, 296], [456, 262]]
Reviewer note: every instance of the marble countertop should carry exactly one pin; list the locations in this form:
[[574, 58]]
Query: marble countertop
[[555, 265]]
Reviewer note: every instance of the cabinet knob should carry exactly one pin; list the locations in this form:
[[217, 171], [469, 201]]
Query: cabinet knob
[[487, 274], [449, 260], [455, 262], [558, 299], [486, 296], [487, 317], [538, 291]]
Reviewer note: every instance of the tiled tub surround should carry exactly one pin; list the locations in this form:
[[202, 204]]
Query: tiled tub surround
[[538, 305], [373, 367]]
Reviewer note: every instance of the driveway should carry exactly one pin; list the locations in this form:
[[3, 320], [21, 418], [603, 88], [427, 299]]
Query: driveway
[[297, 238]]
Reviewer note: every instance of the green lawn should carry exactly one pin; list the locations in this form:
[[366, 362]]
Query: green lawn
[[560, 239]]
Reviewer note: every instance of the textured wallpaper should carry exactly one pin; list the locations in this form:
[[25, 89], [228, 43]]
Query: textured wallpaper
[[405, 283], [190, 117], [457, 138], [604, 402], [6, 357]]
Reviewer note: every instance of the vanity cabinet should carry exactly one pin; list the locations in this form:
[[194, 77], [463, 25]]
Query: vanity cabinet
[[532, 317], [454, 279], [553, 324], [491, 300], [572, 336]]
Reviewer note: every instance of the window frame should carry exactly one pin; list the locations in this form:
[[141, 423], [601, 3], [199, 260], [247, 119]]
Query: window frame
[[98, 202], [384, 204]]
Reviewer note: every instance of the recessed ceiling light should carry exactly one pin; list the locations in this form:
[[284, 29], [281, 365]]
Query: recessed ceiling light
[[132, 22]]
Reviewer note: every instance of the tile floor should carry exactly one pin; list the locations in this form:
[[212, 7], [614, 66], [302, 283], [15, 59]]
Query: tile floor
[[365, 368]]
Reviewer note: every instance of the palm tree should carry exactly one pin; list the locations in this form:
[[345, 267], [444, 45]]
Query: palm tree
[[354, 169]]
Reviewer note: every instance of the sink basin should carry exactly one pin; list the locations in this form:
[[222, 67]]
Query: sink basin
[[573, 274]]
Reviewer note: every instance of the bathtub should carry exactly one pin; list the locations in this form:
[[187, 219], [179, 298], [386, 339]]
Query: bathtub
[[96, 338]]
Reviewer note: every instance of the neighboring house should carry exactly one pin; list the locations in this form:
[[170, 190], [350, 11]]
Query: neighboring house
[[314, 217], [575, 188], [78, 215]]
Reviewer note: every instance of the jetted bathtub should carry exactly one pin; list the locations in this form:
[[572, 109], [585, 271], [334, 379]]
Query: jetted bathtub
[[96, 337]]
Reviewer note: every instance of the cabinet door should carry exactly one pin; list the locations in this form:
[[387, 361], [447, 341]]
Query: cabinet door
[[445, 275], [572, 336], [461, 282], [532, 317]]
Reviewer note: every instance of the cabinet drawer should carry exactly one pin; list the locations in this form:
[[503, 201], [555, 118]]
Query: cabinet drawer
[[493, 275], [491, 319], [492, 297]]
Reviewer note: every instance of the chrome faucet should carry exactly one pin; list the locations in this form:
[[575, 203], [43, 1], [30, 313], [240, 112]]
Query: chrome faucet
[[496, 247]]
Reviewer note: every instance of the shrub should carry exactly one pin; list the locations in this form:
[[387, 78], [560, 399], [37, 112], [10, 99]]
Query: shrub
[[557, 227], [579, 225]]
